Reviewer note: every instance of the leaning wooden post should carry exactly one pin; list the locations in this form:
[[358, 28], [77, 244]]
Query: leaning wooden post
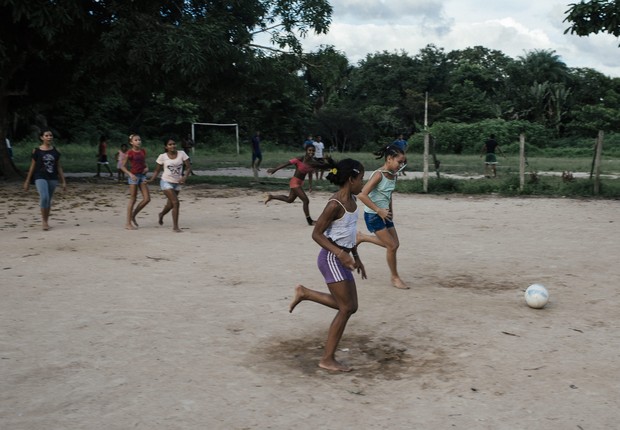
[[521, 161], [426, 140], [425, 175], [597, 162]]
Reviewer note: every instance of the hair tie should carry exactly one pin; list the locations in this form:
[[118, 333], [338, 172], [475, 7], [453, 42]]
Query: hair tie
[[334, 171]]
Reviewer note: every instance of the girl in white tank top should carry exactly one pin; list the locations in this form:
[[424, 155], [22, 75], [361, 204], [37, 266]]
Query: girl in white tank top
[[335, 231]]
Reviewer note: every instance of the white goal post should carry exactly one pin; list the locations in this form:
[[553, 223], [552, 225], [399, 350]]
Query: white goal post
[[217, 125]]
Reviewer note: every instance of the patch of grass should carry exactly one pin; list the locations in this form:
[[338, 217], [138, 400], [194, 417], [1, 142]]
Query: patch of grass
[[550, 186], [82, 158]]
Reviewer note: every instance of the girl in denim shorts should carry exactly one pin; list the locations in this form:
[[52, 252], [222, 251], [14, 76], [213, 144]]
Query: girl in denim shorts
[[173, 163], [377, 197]]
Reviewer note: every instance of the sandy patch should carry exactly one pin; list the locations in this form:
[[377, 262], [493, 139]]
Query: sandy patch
[[104, 328]]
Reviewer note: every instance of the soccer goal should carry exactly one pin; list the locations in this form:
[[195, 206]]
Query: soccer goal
[[212, 124]]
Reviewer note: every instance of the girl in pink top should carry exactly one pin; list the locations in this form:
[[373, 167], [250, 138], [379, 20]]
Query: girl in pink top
[[304, 165]]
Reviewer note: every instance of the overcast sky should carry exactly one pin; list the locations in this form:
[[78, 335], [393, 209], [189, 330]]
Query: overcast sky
[[360, 27]]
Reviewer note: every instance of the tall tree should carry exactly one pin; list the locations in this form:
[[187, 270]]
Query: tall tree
[[378, 87], [531, 75], [593, 16], [139, 47], [326, 73]]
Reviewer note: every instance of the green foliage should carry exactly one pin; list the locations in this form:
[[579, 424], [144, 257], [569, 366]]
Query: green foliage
[[594, 16], [510, 187], [141, 48], [458, 138], [155, 66]]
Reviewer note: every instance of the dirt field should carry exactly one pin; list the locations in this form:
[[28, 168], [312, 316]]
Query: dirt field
[[105, 329]]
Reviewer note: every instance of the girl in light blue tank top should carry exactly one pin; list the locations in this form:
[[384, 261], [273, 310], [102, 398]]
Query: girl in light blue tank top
[[335, 231], [377, 198]]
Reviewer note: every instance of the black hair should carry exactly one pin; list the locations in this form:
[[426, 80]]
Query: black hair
[[388, 150], [45, 130], [168, 139], [342, 170]]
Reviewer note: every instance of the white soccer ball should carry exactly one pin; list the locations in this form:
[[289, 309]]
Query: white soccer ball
[[536, 296]]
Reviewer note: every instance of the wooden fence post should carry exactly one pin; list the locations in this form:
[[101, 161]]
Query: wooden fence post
[[426, 138], [597, 162], [425, 175], [521, 161]]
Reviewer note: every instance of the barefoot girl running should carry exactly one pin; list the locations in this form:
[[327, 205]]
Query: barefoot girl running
[[377, 197], [304, 165], [173, 163], [335, 231]]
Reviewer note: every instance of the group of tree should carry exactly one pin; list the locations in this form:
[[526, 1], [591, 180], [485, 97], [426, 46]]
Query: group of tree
[[90, 67]]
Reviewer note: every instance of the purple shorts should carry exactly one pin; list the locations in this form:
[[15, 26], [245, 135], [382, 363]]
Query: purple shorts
[[331, 268]]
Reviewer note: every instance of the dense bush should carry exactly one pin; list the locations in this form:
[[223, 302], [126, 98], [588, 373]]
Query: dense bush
[[460, 138]]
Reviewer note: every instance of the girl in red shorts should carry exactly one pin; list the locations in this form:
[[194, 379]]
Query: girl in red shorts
[[304, 165]]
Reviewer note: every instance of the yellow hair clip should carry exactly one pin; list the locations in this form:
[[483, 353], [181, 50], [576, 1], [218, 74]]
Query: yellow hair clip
[[334, 171]]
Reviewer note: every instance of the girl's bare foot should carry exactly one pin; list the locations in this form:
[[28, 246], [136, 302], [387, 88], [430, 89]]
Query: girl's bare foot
[[177, 230], [130, 227], [333, 365], [398, 283], [161, 219], [134, 214], [268, 198], [46, 226], [299, 296]]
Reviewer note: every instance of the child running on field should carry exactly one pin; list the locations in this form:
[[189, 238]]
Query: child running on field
[[304, 165], [136, 157], [335, 230], [377, 197], [172, 163]]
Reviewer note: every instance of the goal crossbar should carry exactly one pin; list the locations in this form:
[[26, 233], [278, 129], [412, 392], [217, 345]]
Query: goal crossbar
[[218, 125]]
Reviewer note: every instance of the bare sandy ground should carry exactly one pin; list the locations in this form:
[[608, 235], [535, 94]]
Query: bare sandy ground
[[103, 328]]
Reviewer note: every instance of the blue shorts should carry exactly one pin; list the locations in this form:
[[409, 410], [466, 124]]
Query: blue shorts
[[140, 178], [331, 268], [375, 223], [169, 185]]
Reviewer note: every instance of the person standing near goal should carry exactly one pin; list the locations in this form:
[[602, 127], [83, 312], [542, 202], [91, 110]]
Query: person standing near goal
[[490, 159], [257, 155], [319, 156]]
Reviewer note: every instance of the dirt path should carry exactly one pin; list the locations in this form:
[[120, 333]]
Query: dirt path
[[104, 328]]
